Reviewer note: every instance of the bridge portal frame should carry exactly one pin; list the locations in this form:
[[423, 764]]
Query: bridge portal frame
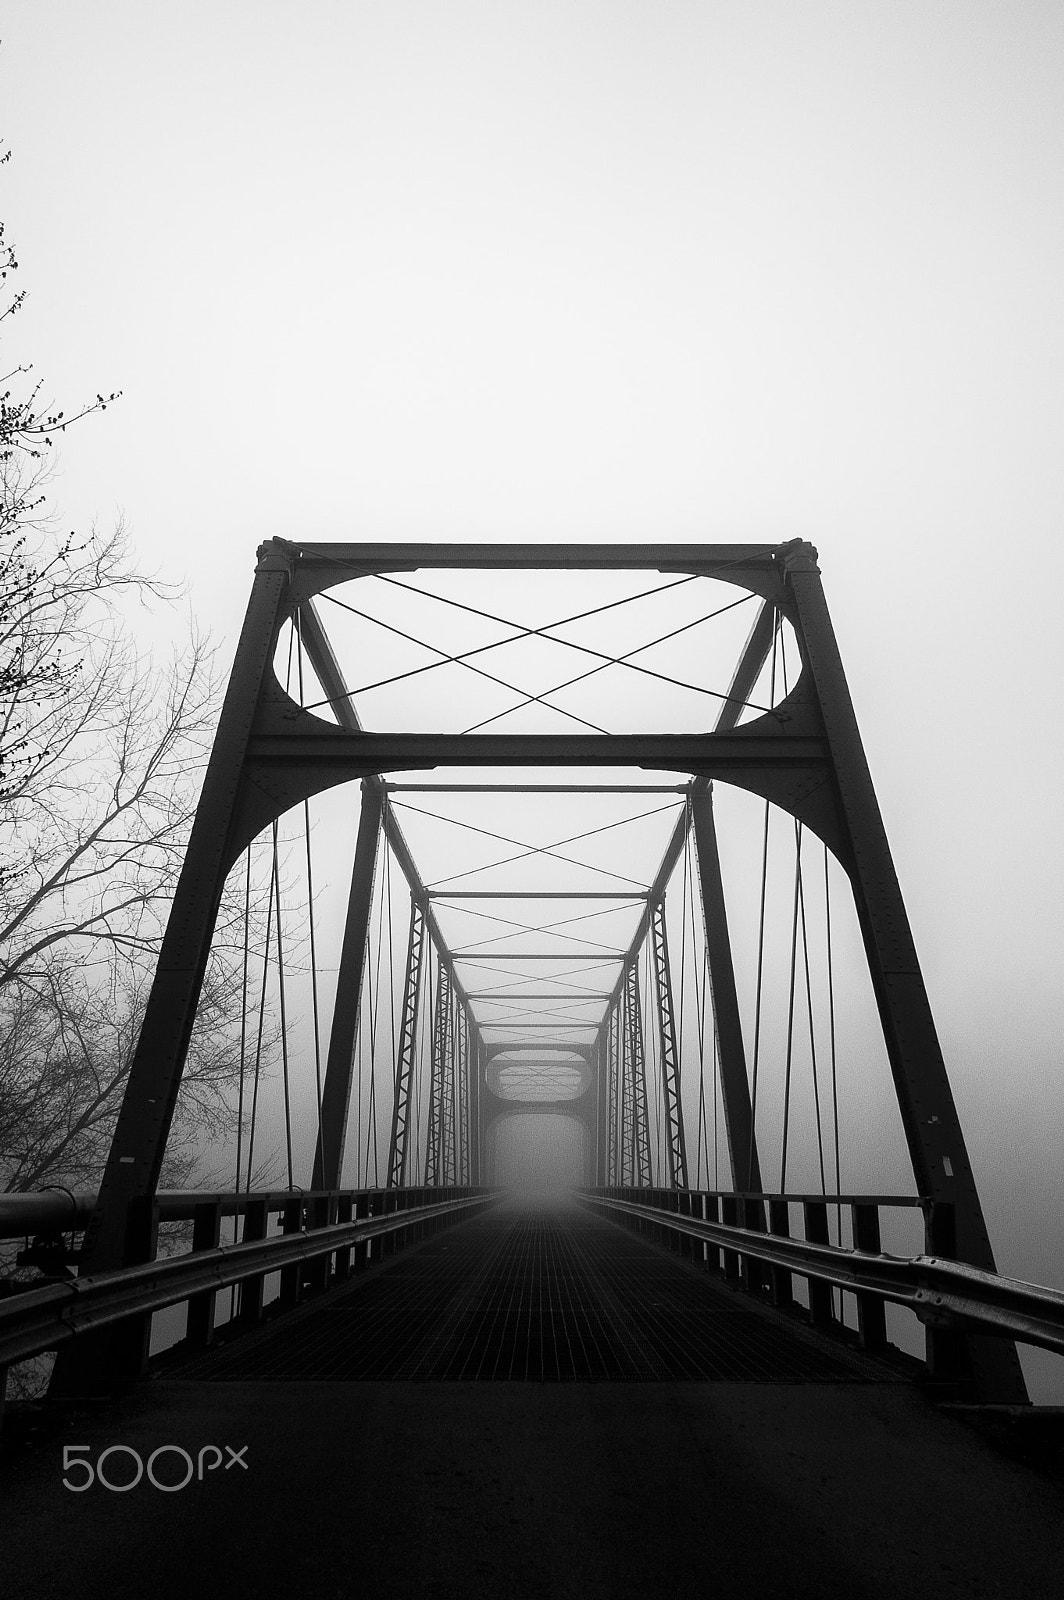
[[806, 757]]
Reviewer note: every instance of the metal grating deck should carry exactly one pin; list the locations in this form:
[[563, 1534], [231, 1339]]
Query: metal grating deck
[[547, 1295]]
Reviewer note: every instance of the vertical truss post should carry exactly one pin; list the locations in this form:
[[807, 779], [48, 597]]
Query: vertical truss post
[[460, 1091], [476, 1076], [626, 1163], [406, 1052], [933, 1132], [734, 1084], [458, 1085], [449, 1163], [466, 1084], [435, 1149], [602, 1111], [613, 1090], [670, 1054], [641, 1165], [336, 1091]]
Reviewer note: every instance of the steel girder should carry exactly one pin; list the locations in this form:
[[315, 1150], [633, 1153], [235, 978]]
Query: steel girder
[[461, 1121], [614, 1097], [675, 1143], [734, 1083], [637, 1143], [406, 1054], [436, 1140], [336, 1092]]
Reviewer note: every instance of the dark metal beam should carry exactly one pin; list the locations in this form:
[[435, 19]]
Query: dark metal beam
[[553, 557], [536, 788], [734, 1082], [675, 1142], [536, 894], [476, 1085], [341, 755], [320, 566], [637, 1158], [406, 1054], [436, 1136], [600, 956], [336, 1093], [610, 1041], [463, 1119]]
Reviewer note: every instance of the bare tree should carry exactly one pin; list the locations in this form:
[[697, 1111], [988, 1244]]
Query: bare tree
[[93, 837]]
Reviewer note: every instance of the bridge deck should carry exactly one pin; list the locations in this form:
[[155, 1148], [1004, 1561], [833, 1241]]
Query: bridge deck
[[790, 1476], [552, 1293]]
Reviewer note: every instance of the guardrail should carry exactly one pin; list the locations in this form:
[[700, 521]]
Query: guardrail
[[325, 1237], [56, 1209], [942, 1293]]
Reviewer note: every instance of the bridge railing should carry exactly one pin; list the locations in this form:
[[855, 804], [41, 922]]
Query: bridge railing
[[749, 1238], [324, 1236]]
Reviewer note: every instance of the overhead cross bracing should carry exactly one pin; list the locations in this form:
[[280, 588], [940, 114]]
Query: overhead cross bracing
[[529, 960], [585, 917]]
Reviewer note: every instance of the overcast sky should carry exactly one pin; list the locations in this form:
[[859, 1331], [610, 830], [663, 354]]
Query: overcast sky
[[635, 271]]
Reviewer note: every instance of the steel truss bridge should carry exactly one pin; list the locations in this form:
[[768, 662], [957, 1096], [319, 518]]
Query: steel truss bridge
[[589, 1047]]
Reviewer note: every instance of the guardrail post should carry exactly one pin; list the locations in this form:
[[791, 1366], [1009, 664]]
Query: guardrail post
[[256, 1216], [782, 1284], [127, 1354], [711, 1212], [665, 1238], [729, 1214], [344, 1209], [387, 1246], [689, 1246], [361, 1251], [948, 1353], [871, 1311], [674, 1240], [292, 1277], [821, 1298], [206, 1234], [698, 1212], [321, 1211], [374, 1208], [752, 1214]]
